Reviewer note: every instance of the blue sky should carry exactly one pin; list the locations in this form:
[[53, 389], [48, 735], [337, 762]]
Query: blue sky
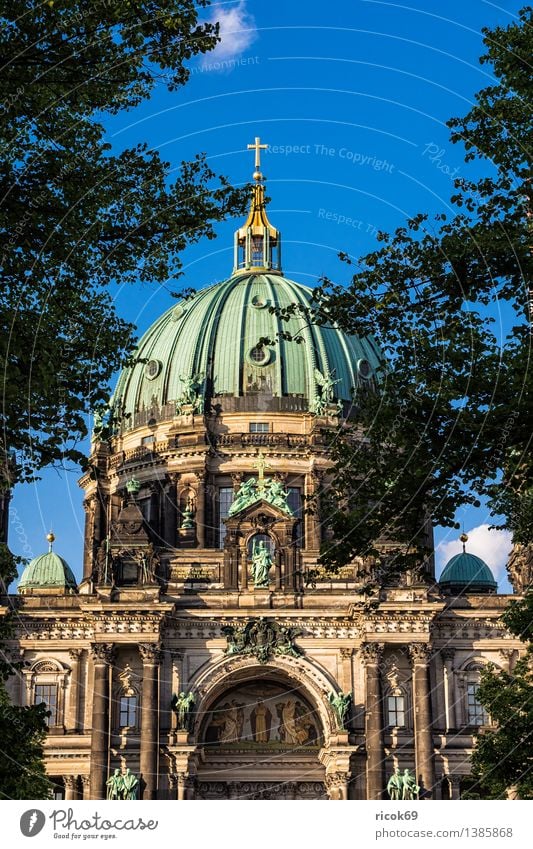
[[353, 98]]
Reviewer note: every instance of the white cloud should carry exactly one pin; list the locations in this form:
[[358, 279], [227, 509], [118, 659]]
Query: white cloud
[[492, 546], [237, 32]]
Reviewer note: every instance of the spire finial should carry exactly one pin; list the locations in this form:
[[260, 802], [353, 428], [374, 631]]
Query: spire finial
[[464, 540], [51, 538], [258, 147]]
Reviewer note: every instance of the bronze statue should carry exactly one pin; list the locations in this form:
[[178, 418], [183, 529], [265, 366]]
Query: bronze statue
[[183, 706]]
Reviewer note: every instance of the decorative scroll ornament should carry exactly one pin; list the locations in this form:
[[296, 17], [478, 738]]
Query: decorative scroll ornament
[[340, 702], [262, 638], [125, 678]]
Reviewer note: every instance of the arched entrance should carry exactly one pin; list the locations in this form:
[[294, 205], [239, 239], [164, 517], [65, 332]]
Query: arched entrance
[[260, 732]]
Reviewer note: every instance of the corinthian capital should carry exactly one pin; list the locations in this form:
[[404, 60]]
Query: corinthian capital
[[102, 652], [419, 653], [371, 653], [150, 653]]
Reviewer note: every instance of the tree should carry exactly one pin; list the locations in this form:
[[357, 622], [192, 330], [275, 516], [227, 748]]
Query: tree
[[22, 729], [502, 757], [451, 413], [75, 216]]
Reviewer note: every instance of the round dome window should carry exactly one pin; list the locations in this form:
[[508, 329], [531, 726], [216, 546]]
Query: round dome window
[[259, 302], [259, 355], [152, 369], [364, 369]]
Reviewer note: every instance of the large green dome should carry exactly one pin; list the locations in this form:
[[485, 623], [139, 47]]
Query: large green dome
[[215, 334], [467, 573]]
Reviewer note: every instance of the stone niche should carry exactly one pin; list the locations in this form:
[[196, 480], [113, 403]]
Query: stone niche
[[267, 522]]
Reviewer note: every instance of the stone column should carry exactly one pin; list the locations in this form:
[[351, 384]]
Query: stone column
[[346, 671], [200, 509], [312, 520], [151, 657], [447, 670], [86, 786], [455, 784], [71, 787], [74, 692], [424, 756], [371, 654], [102, 657]]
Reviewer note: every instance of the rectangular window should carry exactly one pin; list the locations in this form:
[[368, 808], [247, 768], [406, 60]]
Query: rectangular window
[[396, 711], [47, 694], [477, 715], [259, 427], [147, 440], [225, 500], [128, 712], [295, 503]]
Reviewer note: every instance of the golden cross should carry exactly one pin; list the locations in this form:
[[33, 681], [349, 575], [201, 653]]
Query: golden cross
[[258, 147], [261, 464]]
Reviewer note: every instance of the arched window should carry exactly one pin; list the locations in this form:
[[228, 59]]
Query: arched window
[[396, 708], [474, 713], [127, 715], [45, 684]]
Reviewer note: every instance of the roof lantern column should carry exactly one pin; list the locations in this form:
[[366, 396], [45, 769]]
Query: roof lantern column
[[257, 242]]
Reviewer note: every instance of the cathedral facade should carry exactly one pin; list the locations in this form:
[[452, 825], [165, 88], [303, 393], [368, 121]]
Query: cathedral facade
[[204, 649]]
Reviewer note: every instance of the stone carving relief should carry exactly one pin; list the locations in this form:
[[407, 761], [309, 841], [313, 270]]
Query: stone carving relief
[[263, 638]]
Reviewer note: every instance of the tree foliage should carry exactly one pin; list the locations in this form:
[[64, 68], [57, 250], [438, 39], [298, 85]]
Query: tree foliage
[[503, 756], [22, 729], [452, 410], [77, 216]]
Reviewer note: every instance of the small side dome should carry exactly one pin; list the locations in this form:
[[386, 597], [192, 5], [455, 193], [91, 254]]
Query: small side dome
[[47, 574], [467, 573]]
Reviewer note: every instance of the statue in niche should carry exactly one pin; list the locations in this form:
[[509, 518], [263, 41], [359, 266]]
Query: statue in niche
[[149, 565], [261, 564], [340, 702], [183, 706]]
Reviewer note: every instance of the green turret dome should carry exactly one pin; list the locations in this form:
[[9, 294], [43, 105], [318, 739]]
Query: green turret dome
[[467, 573], [215, 338], [48, 574]]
